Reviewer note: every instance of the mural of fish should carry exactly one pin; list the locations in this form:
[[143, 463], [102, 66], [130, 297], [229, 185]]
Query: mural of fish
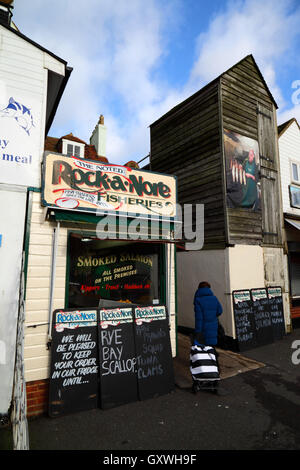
[[20, 113]]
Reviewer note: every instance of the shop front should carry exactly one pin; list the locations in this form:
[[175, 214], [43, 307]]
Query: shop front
[[101, 244]]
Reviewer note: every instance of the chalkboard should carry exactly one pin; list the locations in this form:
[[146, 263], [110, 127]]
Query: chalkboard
[[262, 317], [155, 372], [117, 358], [74, 362], [276, 311], [244, 320]]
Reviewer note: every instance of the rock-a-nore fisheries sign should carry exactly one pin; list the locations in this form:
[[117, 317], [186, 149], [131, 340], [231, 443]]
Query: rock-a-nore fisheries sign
[[79, 184]]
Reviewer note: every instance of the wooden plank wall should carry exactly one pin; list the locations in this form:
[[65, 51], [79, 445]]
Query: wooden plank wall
[[242, 93], [186, 142]]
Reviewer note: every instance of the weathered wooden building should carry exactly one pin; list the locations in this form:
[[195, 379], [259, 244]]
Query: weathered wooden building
[[221, 143]]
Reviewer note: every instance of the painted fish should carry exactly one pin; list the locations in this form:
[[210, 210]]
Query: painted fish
[[20, 113]]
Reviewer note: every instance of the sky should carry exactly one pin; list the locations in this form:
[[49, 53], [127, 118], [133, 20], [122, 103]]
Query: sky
[[134, 60]]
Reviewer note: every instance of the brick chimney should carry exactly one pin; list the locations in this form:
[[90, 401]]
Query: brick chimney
[[98, 137]]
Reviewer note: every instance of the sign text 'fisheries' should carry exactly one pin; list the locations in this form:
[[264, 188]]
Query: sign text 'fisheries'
[[72, 183]]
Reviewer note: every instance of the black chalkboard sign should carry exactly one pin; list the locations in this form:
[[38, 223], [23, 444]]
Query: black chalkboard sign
[[276, 311], [262, 318], [155, 372], [117, 358], [244, 320], [74, 362]]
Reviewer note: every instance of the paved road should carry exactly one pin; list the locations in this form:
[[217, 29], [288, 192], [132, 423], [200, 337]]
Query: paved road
[[255, 410]]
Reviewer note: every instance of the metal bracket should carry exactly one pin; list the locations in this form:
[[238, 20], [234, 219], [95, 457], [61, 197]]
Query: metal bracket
[[268, 177], [270, 233], [264, 114], [266, 158]]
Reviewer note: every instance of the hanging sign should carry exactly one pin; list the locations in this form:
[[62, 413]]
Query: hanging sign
[[86, 185], [74, 362]]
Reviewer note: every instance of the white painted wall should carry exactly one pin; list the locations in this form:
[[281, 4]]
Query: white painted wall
[[38, 290], [13, 207], [23, 77], [289, 149], [235, 268], [194, 267]]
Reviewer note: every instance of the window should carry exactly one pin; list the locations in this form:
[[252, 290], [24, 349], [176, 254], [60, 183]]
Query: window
[[73, 149], [294, 196], [106, 274], [295, 172]]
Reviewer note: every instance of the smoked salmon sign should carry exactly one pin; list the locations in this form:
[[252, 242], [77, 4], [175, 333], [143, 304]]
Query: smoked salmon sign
[[78, 184]]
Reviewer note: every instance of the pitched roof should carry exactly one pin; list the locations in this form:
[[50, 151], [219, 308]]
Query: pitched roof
[[283, 127], [72, 138], [54, 144], [190, 98]]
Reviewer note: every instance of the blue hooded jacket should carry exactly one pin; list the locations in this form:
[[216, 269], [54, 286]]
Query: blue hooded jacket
[[207, 309]]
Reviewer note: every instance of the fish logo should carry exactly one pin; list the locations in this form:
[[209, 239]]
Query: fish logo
[[20, 113]]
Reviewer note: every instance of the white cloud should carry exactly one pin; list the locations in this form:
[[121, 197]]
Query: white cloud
[[264, 29], [116, 47]]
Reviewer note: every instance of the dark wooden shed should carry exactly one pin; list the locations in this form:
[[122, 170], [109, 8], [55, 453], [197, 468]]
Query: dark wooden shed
[[193, 141]]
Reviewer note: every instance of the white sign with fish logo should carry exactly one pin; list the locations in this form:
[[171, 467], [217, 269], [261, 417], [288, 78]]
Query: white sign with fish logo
[[21, 139]]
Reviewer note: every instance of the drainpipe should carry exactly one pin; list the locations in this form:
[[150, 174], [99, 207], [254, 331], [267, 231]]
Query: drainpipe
[[53, 270]]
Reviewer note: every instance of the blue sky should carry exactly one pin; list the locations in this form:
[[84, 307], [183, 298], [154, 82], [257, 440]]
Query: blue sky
[[133, 60]]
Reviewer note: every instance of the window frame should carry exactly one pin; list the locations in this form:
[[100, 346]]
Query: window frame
[[65, 144], [293, 181], [88, 233]]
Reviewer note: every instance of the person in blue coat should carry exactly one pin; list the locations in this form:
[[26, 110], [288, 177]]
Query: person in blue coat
[[207, 310]]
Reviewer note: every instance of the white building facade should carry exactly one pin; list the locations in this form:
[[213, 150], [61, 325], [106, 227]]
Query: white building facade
[[32, 81], [289, 153]]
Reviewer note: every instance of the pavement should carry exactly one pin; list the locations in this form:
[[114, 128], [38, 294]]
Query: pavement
[[257, 408]]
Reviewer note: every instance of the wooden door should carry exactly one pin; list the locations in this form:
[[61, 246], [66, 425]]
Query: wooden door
[[269, 177]]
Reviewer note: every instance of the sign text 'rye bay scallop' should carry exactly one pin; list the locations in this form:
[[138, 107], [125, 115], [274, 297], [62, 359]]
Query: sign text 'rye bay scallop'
[[74, 183]]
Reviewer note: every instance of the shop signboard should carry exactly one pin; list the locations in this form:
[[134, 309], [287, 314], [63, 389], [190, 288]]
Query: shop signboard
[[153, 349], [73, 183], [276, 311], [262, 318], [108, 357], [74, 362], [259, 318], [244, 319], [20, 137], [117, 358]]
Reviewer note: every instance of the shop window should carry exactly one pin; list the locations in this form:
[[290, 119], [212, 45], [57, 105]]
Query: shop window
[[106, 274]]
